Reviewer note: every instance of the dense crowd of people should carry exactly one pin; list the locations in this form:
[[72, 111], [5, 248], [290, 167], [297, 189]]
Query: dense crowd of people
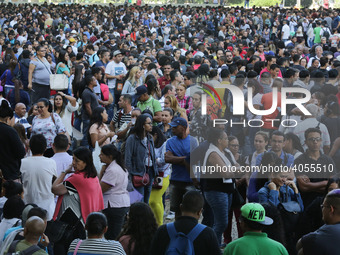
[[107, 112]]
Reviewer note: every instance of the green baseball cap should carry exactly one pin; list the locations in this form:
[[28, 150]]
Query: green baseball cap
[[255, 212]]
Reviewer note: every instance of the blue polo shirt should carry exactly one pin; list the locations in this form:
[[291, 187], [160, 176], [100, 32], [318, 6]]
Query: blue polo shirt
[[181, 147]]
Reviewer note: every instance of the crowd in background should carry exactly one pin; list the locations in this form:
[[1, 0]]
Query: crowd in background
[[124, 134]]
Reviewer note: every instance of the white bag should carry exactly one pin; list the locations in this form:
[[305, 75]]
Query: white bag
[[58, 81], [96, 160]]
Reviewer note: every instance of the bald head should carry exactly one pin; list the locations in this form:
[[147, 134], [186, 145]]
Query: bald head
[[20, 109], [34, 227]]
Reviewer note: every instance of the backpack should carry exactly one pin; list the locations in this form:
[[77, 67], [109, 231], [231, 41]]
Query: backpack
[[181, 243], [326, 33], [29, 251]]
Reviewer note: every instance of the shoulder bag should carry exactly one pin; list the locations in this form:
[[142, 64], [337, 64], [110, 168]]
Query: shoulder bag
[[140, 181], [58, 81]]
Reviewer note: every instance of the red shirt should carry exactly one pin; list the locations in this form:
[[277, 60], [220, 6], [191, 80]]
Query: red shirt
[[163, 81]]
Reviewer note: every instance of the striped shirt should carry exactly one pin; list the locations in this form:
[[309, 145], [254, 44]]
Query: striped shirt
[[97, 247], [120, 117]]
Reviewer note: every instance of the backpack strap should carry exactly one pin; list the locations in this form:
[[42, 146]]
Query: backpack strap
[[285, 158], [171, 229], [30, 250], [12, 247], [194, 233]]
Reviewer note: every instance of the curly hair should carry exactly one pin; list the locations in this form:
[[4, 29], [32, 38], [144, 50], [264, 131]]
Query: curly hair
[[141, 227]]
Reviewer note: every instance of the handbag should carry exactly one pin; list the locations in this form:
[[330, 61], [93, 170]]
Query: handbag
[[60, 230], [140, 181], [58, 81], [158, 181], [290, 213]]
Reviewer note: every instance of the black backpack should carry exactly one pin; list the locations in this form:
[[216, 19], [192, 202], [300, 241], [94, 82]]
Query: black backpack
[[326, 33], [29, 251]]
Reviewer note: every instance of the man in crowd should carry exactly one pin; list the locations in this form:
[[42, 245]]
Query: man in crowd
[[205, 242], [253, 220], [325, 240], [38, 174], [311, 185], [178, 148], [96, 226], [90, 102]]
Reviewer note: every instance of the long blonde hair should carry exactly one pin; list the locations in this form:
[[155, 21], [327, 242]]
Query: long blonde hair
[[132, 74], [174, 105]]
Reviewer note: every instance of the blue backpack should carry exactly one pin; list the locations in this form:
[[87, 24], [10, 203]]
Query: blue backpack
[[181, 244]]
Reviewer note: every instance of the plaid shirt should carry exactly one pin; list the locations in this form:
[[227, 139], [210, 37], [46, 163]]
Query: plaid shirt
[[183, 103]]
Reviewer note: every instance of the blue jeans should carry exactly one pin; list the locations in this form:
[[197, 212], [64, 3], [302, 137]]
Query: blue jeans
[[110, 107], [246, 4], [86, 126], [146, 191], [220, 204]]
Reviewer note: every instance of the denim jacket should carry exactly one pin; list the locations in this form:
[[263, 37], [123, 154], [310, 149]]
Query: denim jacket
[[272, 196], [135, 156]]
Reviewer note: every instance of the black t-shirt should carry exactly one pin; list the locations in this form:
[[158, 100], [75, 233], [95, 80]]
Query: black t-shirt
[[88, 96], [333, 126], [11, 152], [323, 241], [205, 243], [306, 161]]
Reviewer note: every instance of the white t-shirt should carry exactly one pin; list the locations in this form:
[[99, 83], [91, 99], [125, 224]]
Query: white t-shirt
[[37, 173], [286, 32], [113, 68], [67, 116]]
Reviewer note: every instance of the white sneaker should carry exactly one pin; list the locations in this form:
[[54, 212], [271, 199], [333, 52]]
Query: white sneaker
[[170, 216]]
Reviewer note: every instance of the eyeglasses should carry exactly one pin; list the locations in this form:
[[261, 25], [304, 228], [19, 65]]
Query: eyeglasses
[[314, 139]]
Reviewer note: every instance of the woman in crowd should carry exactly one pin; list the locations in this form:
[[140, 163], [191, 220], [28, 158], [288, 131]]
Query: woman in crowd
[[260, 144], [167, 115], [18, 95], [140, 159], [64, 106], [171, 102], [153, 88], [7, 78], [278, 190], [303, 62], [79, 195], [39, 75], [33, 111], [139, 230], [258, 179], [114, 181], [47, 123], [99, 132], [133, 81], [164, 170], [184, 101], [218, 191], [63, 66], [292, 145], [22, 134]]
